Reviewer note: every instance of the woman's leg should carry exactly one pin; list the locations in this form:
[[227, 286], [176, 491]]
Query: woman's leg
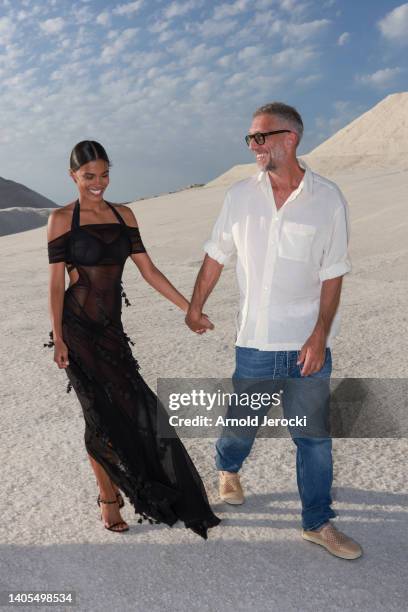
[[107, 492]]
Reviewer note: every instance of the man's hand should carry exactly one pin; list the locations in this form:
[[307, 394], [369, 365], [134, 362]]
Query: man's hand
[[313, 351], [312, 354], [198, 322], [207, 278]]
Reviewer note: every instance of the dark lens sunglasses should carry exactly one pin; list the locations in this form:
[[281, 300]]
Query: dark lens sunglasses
[[259, 137]]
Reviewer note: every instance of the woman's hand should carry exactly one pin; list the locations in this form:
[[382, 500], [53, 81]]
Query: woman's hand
[[61, 354]]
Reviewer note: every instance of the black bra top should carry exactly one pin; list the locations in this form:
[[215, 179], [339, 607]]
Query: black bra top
[[95, 244]]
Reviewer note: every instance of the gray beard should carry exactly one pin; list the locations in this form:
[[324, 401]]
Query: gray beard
[[271, 166]]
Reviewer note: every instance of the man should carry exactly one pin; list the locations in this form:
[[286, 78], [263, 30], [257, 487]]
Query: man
[[289, 229]]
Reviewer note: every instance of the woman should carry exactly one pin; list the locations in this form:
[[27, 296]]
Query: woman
[[93, 239]]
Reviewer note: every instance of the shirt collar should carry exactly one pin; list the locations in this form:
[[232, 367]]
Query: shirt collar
[[306, 183]]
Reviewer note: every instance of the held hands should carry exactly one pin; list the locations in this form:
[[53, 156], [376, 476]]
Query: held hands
[[198, 322], [312, 354], [61, 354]]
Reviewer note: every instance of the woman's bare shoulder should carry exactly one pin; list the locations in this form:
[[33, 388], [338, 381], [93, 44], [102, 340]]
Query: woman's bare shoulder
[[59, 221], [127, 215]]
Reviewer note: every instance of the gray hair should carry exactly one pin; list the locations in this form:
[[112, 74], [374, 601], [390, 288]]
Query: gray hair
[[287, 113]]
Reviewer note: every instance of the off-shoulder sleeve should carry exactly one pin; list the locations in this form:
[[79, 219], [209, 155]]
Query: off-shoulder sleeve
[[57, 249], [136, 240]]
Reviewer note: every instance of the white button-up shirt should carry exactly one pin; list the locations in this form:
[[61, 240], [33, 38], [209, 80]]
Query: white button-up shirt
[[283, 256]]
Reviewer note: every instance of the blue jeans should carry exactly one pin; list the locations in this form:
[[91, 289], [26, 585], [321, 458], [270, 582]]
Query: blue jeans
[[314, 465]]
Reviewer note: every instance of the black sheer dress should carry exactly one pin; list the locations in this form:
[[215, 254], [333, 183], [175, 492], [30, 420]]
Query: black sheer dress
[[121, 412]]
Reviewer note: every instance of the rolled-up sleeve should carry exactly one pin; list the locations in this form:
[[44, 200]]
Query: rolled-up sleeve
[[336, 261], [221, 244]]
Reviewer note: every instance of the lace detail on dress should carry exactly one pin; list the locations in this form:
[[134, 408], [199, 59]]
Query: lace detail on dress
[[50, 343], [123, 294]]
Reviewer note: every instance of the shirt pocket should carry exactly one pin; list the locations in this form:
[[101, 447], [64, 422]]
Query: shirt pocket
[[296, 241]]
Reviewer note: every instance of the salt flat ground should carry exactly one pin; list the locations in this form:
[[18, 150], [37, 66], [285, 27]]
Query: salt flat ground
[[50, 534]]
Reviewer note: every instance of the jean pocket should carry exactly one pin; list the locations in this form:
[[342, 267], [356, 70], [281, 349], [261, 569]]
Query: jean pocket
[[296, 241], [326, 369]]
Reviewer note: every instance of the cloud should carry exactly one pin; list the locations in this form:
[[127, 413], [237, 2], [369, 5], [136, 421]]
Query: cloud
[[210, 28], [394, 26], [144, 60], [7, 29], [158, 26], [248, 53], [196, 73], [180, 47], [52, 26], [177, 9], [201, 53], [9, 59], [308, 80], [263, 4], [382, 78], [127, 9], [201, 90], [20, 79], [109, 52], [103, 19], [82, 15], [226, 61], [293, 6], [237, 78], [294, 57], [230, 10], [302, 31], [166, 35], [343, 39], [22, 15]]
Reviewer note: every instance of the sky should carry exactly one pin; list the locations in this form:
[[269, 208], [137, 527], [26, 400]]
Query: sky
[[169, 88]]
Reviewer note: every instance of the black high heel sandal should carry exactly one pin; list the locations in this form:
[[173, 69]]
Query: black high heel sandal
[[119, 497], [111, 527]]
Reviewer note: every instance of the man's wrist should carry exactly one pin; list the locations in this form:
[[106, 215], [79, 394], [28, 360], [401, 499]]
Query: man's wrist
[[193, 312], [320, 332]]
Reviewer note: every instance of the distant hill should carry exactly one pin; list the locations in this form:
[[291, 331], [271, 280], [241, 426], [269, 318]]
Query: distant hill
[[20, 219], [14, 194], [21, 208], [376, 140]]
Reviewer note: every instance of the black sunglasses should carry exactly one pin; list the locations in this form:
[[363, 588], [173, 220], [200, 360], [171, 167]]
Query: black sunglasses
[[259, 137]]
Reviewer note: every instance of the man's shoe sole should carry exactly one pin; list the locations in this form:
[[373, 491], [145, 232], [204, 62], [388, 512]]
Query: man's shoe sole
[[233, 502], [350, 557]]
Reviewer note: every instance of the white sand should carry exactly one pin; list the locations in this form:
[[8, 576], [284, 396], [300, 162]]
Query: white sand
[[51, 537]]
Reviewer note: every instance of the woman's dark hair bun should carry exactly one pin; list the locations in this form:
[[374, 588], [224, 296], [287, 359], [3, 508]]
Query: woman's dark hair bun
[[87, 151]]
